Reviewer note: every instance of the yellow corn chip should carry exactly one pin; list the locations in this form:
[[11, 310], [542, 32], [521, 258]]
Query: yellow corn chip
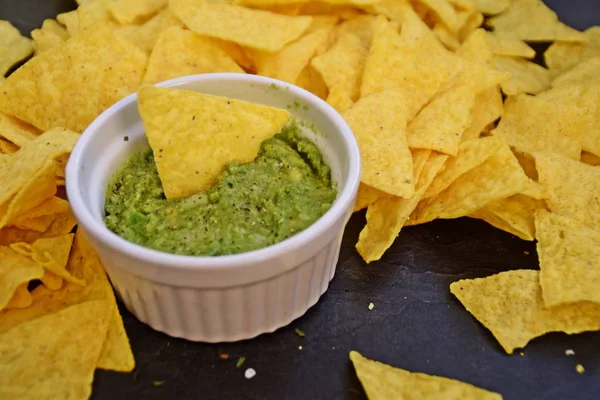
[[13, 47], [379, 124], [71, 21], [569, 258], [526, 77], [446, 37], [312, 81], [339, 100], [586, 72], [38, 224], [514, 215], [61, 225], [257, 29], [21, 298], [488, 108], [510, 305], [95, 14], [135, 11], [440, 125], [492, 7], [418, 67], [572, 187], [471, 154], [64, 348], [54, 205], [498, 177], [288, 63], [70, 85], [144, 36], [476, 48], [532, 125], [366, 196], [444, 12], [342, 66], [201, 127], [468, 5], [533, 21], [562, 56], [387, 215], [16, 131], [469, 23], [15, 270], [50, 35], [180, 52], [508, 45], [382, 382]]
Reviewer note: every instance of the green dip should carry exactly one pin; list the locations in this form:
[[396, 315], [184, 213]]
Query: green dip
[[283, 191]]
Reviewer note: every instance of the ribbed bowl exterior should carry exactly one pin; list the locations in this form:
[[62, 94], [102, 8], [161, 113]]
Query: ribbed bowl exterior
[[228, 314]]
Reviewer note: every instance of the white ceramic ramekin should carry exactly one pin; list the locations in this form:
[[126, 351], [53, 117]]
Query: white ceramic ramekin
[[227, 298]]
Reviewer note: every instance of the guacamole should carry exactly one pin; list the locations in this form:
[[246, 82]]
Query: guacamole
[[285, 189]]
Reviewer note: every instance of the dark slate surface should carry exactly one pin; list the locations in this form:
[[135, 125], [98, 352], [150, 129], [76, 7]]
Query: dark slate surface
[[416, 323]]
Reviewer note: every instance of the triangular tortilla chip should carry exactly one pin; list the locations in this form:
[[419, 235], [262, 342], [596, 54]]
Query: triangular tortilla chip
[[562, 56], [585, 73], [383, 382], [572, 187], [533, 21], [201, 134], [180, 52], [21, 298], [50, 35], [366, 196], [13, 47], [62, 347], [135, 11], [257, 29], [531, 125], [525, 76], [488, 107], [510, 305], [379, 124], [16, 131], [15, 270], [569, 259]]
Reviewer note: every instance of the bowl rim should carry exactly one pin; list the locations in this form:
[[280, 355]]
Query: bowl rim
[[98, 230]]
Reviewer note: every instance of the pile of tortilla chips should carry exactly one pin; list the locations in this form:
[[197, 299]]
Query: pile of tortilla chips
[[452, 116]]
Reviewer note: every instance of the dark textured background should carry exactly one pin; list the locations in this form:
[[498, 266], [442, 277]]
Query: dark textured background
[[416, 323]]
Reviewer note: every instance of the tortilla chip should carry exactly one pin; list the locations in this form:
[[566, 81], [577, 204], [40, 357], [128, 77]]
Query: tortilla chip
[[562, 56], [69, 86], [71, 21], [179, 52], [16, 131], [440, 125], [38, 224], [471, 154], [526, 77], [488, 108], [469, 23], [572, 187], [387, 215], [586, 72], [382, 381], [510, 305], [569, 254], [533, 21], [590, 159], [514, 215], [7, 147], [95, 14], [476, 48], [498, 177], [531, 124], [21, 298], [379, 124], [256, 29], [15, 270], [61, 225], [444, 12], [342, 66], [366, 196], [144, 36], [64, 348], [288, 63], [492, 7], [447, 38], [509, 46], [416, 66], [312, 81], [50, 35], [14, 48], [135, 11], [362, 26], [201, 127]]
